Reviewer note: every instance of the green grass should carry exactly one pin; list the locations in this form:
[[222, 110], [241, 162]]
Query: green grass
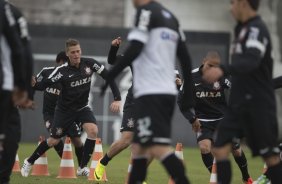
[[117, 169]]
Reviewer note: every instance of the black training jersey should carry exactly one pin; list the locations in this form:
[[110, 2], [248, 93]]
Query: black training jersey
[[51, 93], [210, 99], [76, 83], [252, 64]]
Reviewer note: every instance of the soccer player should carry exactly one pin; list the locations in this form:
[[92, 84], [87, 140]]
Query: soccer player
[[154, 42], [50, 97], [72, 105], [252, 109], [11, 66], [209, 110], [12, 128], [128, 120]]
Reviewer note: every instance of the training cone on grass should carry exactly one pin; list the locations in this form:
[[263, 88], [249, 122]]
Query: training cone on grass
[[128, 170], [40, 167], [16, 167], [67, 164], [96, 156], [179, 154], [213, 178]]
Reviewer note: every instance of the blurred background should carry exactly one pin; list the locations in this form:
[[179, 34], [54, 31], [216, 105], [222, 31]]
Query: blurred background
[[208, 25]]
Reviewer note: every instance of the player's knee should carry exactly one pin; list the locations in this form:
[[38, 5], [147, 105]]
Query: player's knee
[[237, 152], [92, 132], [52, 141], [205, 148]]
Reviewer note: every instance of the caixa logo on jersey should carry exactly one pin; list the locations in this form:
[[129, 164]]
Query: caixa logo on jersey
[[57, 77], [168, 36], [80, 82]]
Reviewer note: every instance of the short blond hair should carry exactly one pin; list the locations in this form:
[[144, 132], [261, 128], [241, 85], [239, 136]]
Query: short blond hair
[[71, 42]]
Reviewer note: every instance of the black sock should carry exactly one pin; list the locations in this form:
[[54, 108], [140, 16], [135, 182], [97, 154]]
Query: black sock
[[138, 171], [208, 160], [79, 153], [243, 165], [223, 172], [175, 168], [105, 160], [41, 148], [275, 173], [88, 148], [59, 148]]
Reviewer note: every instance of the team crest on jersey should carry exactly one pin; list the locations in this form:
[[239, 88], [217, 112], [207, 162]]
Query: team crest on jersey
[[87, 70], [59, 131], [130, 123], [216, 85]]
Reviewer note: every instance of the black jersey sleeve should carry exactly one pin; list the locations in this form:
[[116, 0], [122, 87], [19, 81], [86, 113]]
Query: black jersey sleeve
[[22, 27], [42, 75], [55, 77], [102, 71], [132, 52], [112, 56], [255, 48], [188, 113], [185, 62], [13, 39], [277, 82]]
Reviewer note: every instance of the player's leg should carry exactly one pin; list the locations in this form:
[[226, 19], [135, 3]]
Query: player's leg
[[152, 138], [264, 122], [49, 120], [227, 130], [204, 139], [62, 121], [127, 130], [5, 103], [13, 134], [241, 160], [74, 133], [86, 117]]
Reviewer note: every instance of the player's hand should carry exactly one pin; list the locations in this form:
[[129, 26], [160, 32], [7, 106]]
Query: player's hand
[[115, 106], [196, 125], [178, 81], [19, 96], [33, 81], [116, 42], [212, 74], [28, 104]]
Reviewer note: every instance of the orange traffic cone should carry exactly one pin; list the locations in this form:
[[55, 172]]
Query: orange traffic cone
[[128, 170], [179, 154], [213, 178], [67, 164], [96, 156], [40, 167], [16, 167]]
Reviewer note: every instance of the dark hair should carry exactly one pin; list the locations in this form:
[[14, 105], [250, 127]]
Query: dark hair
[[61, 56], [254, 4]]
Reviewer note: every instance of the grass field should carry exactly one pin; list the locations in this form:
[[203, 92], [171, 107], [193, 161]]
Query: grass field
[[117, 169]]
